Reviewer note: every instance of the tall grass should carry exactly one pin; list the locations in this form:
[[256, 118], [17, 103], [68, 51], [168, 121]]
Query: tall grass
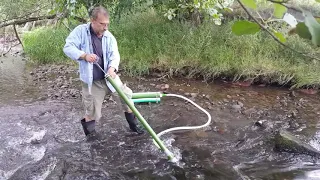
[[147, 41], [44, 45]]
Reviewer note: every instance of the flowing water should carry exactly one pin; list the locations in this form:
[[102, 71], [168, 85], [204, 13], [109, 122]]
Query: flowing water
[[41, 138]]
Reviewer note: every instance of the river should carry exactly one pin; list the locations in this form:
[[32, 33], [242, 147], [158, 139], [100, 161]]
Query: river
[[41, 137]]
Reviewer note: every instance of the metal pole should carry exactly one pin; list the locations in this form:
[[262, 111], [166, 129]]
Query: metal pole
[[139, 116]]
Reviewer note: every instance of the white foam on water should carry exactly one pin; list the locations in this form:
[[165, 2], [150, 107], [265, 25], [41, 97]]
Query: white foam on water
[[70, 136], [37, 136], [315, 141], [174, 150], [15, 141], [36, 153], [237, 169], [46, 171], [69, 139], [8, 174], [121, 143], [310, 175], [313, 174], [2, 175]]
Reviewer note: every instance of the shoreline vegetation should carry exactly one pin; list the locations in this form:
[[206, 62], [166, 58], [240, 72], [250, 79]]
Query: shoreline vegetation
[[149, 43]]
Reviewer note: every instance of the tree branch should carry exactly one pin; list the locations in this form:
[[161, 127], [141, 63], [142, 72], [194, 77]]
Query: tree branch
[[67, 26], [26, 14], [22, 21], [288, 6], [272, 35], [80, 19], [17, 35]]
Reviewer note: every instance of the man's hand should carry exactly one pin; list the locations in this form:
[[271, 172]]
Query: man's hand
[[89, 57], [111, 72]]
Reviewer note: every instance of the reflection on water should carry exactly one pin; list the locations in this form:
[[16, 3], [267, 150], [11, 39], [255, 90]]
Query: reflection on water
[[13, 79]]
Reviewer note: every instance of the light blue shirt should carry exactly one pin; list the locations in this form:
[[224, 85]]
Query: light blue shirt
[[79, 42]]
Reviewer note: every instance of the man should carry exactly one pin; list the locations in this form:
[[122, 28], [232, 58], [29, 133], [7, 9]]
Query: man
[[91, 44]]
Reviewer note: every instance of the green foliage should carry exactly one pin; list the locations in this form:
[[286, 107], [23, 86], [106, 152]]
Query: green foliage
[[194, 10], [309, 29], [280, 36], [44, 45], [191, 10], [303, 31], [147, 41], [10, 9], [279, 10], [245, 27], [250, 3], [80, 8], [313, 27]]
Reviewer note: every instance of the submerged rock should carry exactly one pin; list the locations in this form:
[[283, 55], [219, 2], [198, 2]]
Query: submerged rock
[[261, 123], [236, 108], [287, 142]]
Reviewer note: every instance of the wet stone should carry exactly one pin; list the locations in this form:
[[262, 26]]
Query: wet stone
[[240, 104], [194, 95], [287, 142], [293, 124], [165, 86], [292, 94], [236, 108], [207, 97]]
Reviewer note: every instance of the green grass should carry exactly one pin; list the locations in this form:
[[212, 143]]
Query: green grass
[[148, 41], [44, 45]]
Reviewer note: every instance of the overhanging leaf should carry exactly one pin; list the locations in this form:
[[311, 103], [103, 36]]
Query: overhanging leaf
[[318, 1], [227, 9], [280, 36], [249, 3], [279, 10], [245, 27], [313, 26], [303, 31]]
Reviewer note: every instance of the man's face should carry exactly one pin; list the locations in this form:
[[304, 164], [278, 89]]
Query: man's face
[[100, 24]]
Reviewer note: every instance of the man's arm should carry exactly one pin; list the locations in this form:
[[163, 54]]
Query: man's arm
[[72, 45]]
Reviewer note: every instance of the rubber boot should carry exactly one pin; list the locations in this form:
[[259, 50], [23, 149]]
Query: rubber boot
[[133, 124], [88, 127]]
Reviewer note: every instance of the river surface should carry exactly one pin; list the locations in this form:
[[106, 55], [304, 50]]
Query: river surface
[[41, 136]]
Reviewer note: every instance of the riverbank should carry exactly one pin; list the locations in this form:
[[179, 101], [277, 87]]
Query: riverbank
[[149, 43]]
